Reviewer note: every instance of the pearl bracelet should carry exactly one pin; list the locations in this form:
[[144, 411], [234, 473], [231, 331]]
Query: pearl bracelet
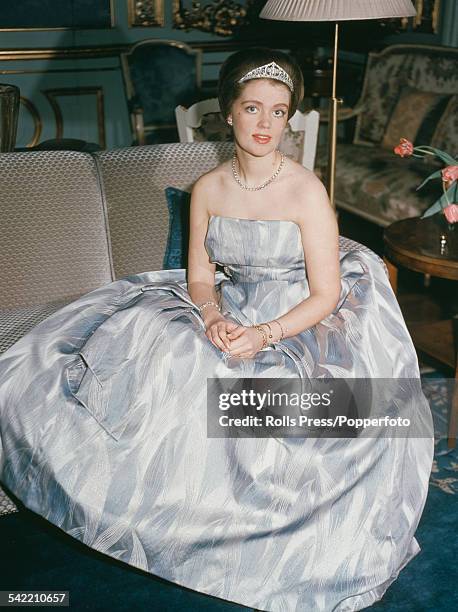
[[209, 303]]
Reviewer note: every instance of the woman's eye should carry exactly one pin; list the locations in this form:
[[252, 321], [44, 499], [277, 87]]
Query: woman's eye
[[251, 109], [279, 113]]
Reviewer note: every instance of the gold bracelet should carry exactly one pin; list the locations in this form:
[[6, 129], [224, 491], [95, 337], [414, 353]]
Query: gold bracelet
[[270, 332], [263, 334], [282, 332]]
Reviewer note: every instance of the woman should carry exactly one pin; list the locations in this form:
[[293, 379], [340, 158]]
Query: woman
[[280, 189], [104, 404]]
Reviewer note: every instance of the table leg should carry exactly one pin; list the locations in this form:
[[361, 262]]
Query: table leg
[[392, 274], [453, 422]]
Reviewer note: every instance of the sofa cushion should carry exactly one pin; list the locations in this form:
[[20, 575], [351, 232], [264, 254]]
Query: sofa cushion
[[53, 234], [134, 182], [176, 252], [415, 117], [379, 186], [425, 67], [446, 134]]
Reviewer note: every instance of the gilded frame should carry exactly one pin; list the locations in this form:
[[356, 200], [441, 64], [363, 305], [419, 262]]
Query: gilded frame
[[145, 13], [416, 22], [37, 122], [207, 17], [53, 94]]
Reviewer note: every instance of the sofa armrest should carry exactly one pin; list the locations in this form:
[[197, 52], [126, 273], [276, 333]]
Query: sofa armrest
[[17, 322], [348, 245]]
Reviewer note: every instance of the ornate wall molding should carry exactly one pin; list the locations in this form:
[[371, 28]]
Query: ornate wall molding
[[37, 123], [207, 46], [62, 53], [427, 18], [145, 13], [53, 94], [221, 17]]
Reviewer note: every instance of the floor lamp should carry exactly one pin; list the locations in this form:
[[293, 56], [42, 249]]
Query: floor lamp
[[335, 10]]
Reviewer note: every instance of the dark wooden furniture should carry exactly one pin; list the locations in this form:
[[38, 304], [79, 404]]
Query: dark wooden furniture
[[429, 246]]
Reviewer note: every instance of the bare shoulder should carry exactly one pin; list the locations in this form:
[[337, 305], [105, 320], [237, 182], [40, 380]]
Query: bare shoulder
[[212, 180], [300, 177], [306, 192]]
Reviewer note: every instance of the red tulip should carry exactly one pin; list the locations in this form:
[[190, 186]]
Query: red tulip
[[404, 148], [451, 213], [450, 174]]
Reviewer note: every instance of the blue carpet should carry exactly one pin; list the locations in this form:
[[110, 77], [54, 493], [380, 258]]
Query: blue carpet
[[41, 557], [429, 582]]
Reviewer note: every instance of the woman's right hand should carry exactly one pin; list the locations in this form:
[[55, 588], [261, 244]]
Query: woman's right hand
[[217, 328]]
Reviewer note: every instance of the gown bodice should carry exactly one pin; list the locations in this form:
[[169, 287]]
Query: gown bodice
[[263, 261], [253, 250]]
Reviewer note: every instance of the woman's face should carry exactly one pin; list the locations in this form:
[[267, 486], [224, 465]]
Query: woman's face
[[259, 116]]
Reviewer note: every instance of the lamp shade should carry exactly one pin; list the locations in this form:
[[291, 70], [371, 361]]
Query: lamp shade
[[336, 10]]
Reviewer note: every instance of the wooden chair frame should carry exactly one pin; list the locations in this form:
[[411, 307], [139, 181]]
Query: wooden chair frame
[[189, 119]]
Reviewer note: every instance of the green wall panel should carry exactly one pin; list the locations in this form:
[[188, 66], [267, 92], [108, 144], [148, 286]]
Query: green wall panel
[[101, 72]]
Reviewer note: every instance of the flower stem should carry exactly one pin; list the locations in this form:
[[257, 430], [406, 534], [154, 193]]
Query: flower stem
[[445, 193], [424, 151]]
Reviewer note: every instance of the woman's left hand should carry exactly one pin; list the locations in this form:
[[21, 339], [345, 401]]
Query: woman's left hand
[[245, 342]]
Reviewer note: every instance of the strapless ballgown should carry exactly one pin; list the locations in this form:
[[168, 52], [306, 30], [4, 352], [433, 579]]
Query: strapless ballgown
[[103, 432]]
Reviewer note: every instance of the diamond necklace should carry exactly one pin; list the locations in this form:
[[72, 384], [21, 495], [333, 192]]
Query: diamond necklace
[[258, 187]]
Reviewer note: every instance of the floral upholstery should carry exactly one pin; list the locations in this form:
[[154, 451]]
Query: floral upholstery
[[213, 129], [292, 144], [426, 68], [446, 135], [374, 183], [371, 181]]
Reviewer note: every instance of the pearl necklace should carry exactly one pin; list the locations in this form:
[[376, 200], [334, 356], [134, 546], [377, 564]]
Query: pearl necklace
[[258, 187]]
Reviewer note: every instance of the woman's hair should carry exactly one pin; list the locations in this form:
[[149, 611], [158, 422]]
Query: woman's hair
[[238, 64]]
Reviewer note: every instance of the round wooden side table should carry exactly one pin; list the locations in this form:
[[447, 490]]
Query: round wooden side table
[[429, 246]]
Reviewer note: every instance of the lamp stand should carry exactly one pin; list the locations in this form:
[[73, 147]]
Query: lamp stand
[[332, 137]]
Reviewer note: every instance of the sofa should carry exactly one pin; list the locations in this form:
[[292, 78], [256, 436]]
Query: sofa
[[409, 91], [73, 221]]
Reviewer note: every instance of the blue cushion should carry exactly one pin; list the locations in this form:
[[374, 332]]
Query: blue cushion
[[176, 252]]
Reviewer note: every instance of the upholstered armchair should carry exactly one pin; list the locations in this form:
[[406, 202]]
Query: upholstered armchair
[[409, 91], [158, 75]]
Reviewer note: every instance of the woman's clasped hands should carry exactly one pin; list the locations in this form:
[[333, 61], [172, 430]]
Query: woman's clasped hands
[[232, 338]]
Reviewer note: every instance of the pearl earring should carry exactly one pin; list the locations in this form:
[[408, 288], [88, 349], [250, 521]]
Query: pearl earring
[[229, 121]]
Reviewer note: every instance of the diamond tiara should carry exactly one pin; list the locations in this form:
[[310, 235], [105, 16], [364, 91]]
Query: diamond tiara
[[269, 71]]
